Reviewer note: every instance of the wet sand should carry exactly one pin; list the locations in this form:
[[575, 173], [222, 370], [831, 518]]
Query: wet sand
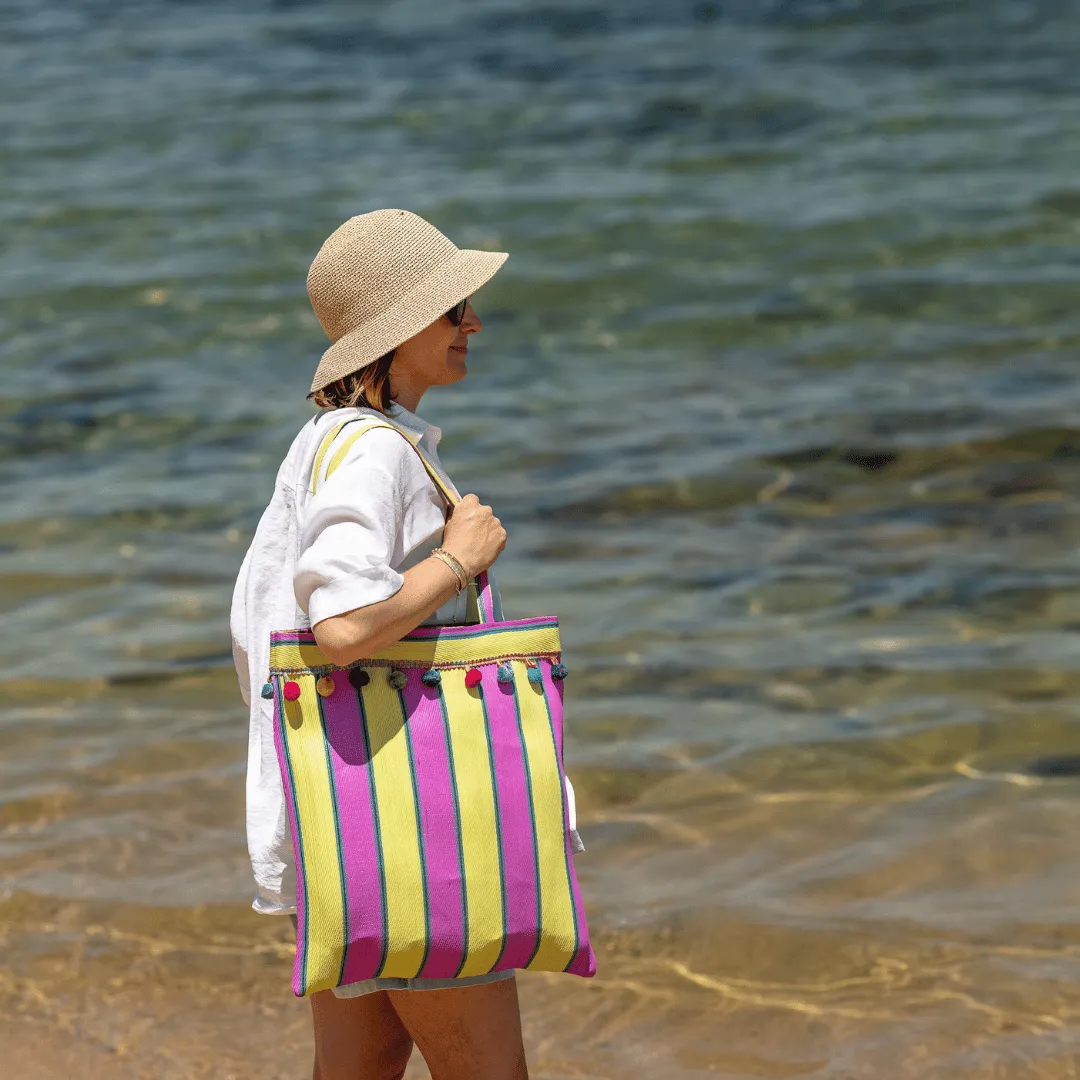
[[170, 994]]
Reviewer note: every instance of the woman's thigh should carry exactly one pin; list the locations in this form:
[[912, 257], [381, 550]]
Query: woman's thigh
[[467, 1033], [358, 1038]]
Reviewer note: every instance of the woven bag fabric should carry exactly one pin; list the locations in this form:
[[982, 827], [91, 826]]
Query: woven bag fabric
[[427, 799]]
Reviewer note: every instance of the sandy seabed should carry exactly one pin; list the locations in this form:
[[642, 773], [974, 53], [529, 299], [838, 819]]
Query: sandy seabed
[[181, 994]]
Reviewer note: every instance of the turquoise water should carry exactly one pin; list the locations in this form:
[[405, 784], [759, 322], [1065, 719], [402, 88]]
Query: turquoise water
[[775, 397]]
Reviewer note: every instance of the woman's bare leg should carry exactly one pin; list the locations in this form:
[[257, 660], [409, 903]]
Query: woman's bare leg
[[468, 1033], [358, 1038]]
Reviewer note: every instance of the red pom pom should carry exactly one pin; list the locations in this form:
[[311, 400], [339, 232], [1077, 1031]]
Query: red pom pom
[[473, 677], [291, 690]]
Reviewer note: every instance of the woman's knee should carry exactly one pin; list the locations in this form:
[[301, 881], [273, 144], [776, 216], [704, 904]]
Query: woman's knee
[[358, 1038], [466, 1033], [389, 1066], [388, 1063]]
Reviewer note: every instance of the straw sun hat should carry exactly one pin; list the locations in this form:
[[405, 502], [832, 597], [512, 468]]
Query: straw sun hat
[[380, 278]]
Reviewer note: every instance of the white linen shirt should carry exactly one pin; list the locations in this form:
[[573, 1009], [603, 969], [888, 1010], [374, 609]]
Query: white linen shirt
[[314, 556]]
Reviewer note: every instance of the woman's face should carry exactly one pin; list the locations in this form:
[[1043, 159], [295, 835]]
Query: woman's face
[[433, 357]]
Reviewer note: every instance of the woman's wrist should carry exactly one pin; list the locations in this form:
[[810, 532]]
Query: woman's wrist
[[451, 561]]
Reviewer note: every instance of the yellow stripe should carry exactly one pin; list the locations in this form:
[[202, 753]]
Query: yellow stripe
[[303, 730], [536, 641], [472, 601], [327, 440], [468, 743], [556, 903], [406, 929]]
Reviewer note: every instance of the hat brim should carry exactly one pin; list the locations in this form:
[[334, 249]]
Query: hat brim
[[421, 306]]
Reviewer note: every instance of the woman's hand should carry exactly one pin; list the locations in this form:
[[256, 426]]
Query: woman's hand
[[473, 535]]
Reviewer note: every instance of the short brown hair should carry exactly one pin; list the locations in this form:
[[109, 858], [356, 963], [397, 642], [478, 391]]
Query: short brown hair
[[367, 388]]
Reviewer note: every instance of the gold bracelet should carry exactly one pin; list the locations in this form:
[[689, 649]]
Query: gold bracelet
[[454, 560], [455, 566]]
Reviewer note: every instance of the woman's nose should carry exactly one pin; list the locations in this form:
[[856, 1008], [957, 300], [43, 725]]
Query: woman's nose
[[471, 323]]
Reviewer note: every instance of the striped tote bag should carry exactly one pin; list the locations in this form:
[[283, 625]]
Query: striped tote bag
[[426, 798]]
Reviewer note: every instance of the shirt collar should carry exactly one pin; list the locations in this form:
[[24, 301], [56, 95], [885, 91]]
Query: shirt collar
[[413, 427]]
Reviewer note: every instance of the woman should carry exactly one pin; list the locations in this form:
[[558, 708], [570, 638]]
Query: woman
[[355, 562]]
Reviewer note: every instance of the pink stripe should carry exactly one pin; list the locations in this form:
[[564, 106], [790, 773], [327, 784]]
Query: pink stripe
[[298, 862], [476, 628], [584, 962], [348, 755], [438, 823], [515, 821], [485, 599], [302, 636], [292, 637]]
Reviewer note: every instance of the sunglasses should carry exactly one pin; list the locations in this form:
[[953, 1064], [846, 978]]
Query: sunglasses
[[457, 312]]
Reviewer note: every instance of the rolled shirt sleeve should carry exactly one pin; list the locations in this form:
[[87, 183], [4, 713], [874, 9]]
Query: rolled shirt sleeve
[[350, 529]]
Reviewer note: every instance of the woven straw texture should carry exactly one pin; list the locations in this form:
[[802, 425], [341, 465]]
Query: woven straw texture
[[380, 278]]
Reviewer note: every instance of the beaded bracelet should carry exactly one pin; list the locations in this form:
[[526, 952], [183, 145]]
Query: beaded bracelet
[[458, 569]]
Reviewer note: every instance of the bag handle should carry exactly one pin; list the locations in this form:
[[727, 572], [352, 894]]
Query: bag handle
[[480, 585]]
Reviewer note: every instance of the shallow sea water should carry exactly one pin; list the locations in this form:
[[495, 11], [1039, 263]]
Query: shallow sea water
[[777, 399]]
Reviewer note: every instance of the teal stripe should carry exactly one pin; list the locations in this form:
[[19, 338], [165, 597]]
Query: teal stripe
[[566, 825], [337, 838], [419, 831], [460, 846], [498, 826], [280, 703], [532, 819], [378, 829]]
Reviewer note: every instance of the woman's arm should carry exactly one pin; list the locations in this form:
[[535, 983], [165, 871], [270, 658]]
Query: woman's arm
[[365, 630], [473, 534]]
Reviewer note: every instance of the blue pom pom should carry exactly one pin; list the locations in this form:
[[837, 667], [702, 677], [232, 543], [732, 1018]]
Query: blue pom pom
[[559, 671], [268, 690], [535, 674], [431, 678], [505, 673]]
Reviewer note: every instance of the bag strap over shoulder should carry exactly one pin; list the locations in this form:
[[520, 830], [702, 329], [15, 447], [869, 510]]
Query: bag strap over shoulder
[[341, 452], [480, 588]]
